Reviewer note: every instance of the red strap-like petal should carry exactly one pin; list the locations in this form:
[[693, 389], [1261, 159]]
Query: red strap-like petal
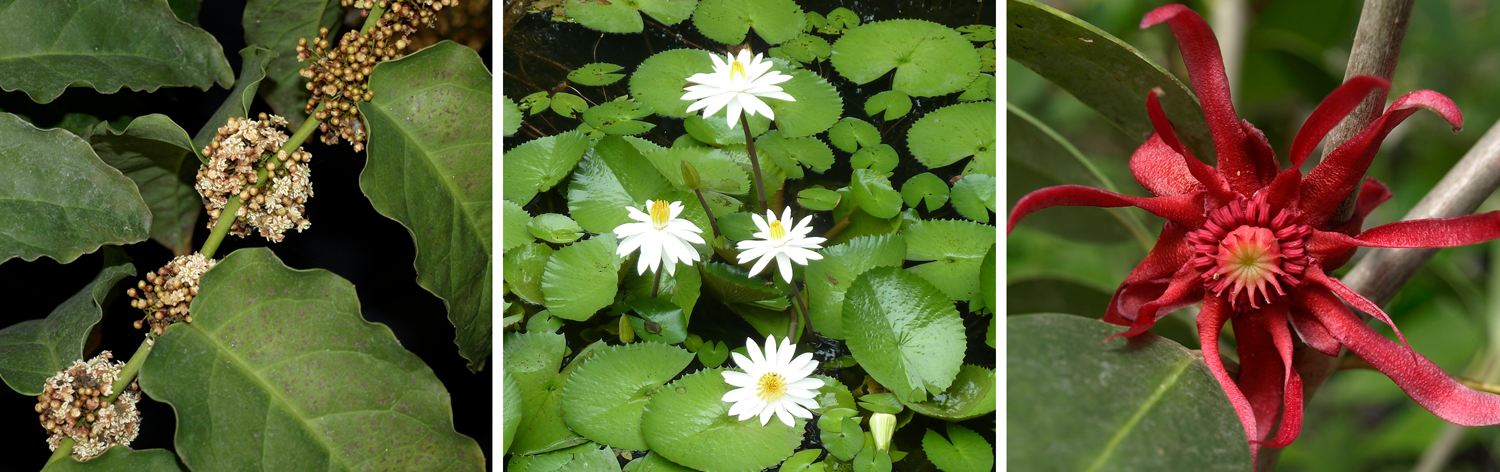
[[1160, 169], [1334, 108], [1283, 191], [1291, 408], [1149, 279], [1206, 177], [1187, 209], [1371, 194], [1308, 328], [1261, 371], [1314, 273], [1210, 322], [1186, 288], [1332, 180], [1434, 232]]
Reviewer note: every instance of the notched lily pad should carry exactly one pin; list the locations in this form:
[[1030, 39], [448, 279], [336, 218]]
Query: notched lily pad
[[580, 279], [930, 59], [566, 104], [849, 134], [872, 190], [596, 74], [540, 164], [622, 16], [605, 397], [818, 199], [894, 103], [619, 116], [727, 21], [925, 187], [904, 332], [688, 423], [954, 132], [974, 197], [554, 228], [829, 278]]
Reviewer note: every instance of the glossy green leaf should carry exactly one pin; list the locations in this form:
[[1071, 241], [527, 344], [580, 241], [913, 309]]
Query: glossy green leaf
[[625, 17], [658, 320], [818, 199], [596, 74], [954, 132], [156, 154], [554, 228], [829, 278], [612, 176], [987, 61], [974, 197], [59, 199], [514, 226], [807, 48], [512, 411], [1103, 72], [687, 422], [523, 271], [930, 59], [511, 120], [1050, 295], [605, 397], [873, 460], [852, 133], [532, 359], [682, 287], [801, 461], [1037, 157], [881, 403], [659, 80], [253, 62], [268, 364], [738, 226], [872, 191], [1067, 392], [971, 395], [768, 317], [818, 105], [713, 354], [580, 279], [987, 286], [653, 462], [535, 103], [716, 171], [792, 153], [278, 25], [956, 248], [567, 104], [880, 158], [540, 164], [121, 458], [550, 461], [982, 88], [963, 450], [815, 20], [727, 21], [543, 322], [845, 442], [925, 187], [137, 44], [894, 103], [904, 332], [839, 21], [978, 33], [422, 137], [32, 351], [715, 130]]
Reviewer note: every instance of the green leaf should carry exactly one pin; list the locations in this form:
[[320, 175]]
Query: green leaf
[[543, 322], [845, 442], [138, 44], [653, 462], [872, 460], [839, 21], [982, 88], [818, 105], [880, 158], [278, 25], [156, 154], [59, 200], [612, 176], [717, 172], [1065, 391], [580, 279], [716, 131], [423, 136], [523, 271], [121, 458], [532, 359], [596, 74], [978, 33], [566, 104], [658, 82], [1103, 72], [622, 16], [972, 395], [535, 103], [987, 288], [954, 132], [807, 48], [513, 411], [283, 349], [818, 199], [713, 354], [253, 61], [682, 288], [872, 191], [925, 187], [34, 350], [540, 164], [658, 320], [618, 117], [738, 226], [687, 422], [801, 461], [930, 59], [727, 21], [895, 103], [833, 394], [881, 403], [956, 249], [904, 332], [731, 284], [849, 134], [987, 62], [605, 398], [554, 228], [511, 120], [788, 153], [814, 20], [968, 451], [829, 278], [515, 227], [974, 197], [1036, 157]]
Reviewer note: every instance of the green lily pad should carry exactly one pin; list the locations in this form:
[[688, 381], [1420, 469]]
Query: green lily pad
[[904, 332], [829, 278], [731, 284], [792, 153], [523, 271], [625, 16], [840, 20], [954, 132], [543, 322], [268, 364], [818, 104], [550, 461], [894, 103], [618, 116], [682, 287], [880, 158], [658, 320], [727, 21], [987, 60], [713, 354], [806, 48], [157, 155], [513, 411], [716, 171], [956, 249], [738, 226], [1065, 390], [580, 279], [653, 462], [849, 134], [514, 226], [818, 199], [658, 82], [716, 131], [802, 460], [832, 395], [535, 103], [510, 122], [121, 458], [687, 422], [971, 395], [873, 460], [982, 88], [925, 187], [554, 228], [611, 177], [604, 399], [978, 33], [872, 191], [596, 74], [768, 317], [987, 287], [967, 451], [881, 403], [34, 350], [974, 197], [845, 442], [277, 25], [540, 164], [532, 359], [930, 59], [566, 104], [815, 20]]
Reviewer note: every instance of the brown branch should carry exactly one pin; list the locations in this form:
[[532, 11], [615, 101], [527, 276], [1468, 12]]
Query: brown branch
[[524, 81], [544, 58], [674, 33]]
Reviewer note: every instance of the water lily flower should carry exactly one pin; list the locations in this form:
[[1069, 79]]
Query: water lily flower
[[662, 238], [738, 83], [1257, 243], [774, 242], [772, 383]]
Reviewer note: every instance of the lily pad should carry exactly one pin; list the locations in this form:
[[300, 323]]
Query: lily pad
[[514, 226], [818, 199], [625, 16], [894, 103], [839, 21], [978, 33], [716, 171], [682, 288], [658, 82], [956, 249], [596, 74], [983, 88], [605, 397], [881, 403], [715, 130], [844, 442], [880, 158], [930, 59], [792, 153], [567, 104], [523, 271], [818, 105], [612, 176], [833, 394], [967, 451], [511, 120], [852, 133], [807, 48], [829, 278], [535, 103], [532, 359], [618, 116], [727, 21], [513, 411], [872, 191], [713, 354], [554, 228], [687, 422], [34, 350], [954, 132], [802, 460], [731, 284], [971, 395], [658, 320], [157, 155], [580, 279], [925, 187], [974, 197], [904, 332], [653, 462], [540, 164]]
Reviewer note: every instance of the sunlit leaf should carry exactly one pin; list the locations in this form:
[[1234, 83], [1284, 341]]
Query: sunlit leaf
[[653, 462], [829, 278], [580, 279], [894, 103], [978, 33], [954, 132], [612, 176], [625, 17], [535, 103], [687, 422], [974, 197], [982, 88], [554, 228], [511, 120], [33, 350], [618, 116], [792, 153], [596, 74], [963, 450], [818, 105], [658, 82], [512, 408], [872, 190], [818, 199], [879, 158], [956, 249], [731, 284], [658, 320], [930, 59], [925, 187], [567, 104], [727, 21], [605, 397], [532, 359], [806, 48], [904, 332], [514, 226], [840, 20], [540, 164], [971, 395], [849, 134]]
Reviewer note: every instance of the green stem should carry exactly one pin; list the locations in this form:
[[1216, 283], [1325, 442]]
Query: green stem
[[656, 283], [64, 449], [760, 187], [221, 228], [128, 373]]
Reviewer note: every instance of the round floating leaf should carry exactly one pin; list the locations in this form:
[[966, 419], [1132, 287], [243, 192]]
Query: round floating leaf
[[987, 60], [551, 461], [872, 191], [814, 20], [687, 422], [612, 176], [790, 152], [543, 322], [653, 462], [987, 287], [829, 278], [540, 164], [515, 233], [1070, 393], [873, 460], [625, 16], [580, 279], [272, 362], [715, 130], [974, 197], [925, 187], [955, 132], [658, 320], [983, 88], [513, 410], [895, 103], [566, 104], [717, 172], [839, 21], [523, 271], [732, 284], [930, 59], [121, 458], [727, 21], [849, 134], [978, 33], [972, 395], [659, 80], [605, 397], [807, 48], [956, 249], [801, 461], [535, 103], [818, 105], [554, 228], [34, 350], [738, 226], [881, 403], [158, 156], [833, 394], [904, 332], [713, 354], [532, 359], [618, 117], [818, 199], [879, 158], [682, 288], [596, 74], [845, 441], [511, 120], [968, 451]]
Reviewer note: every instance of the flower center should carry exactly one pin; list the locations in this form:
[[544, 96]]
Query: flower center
[[771, 387], [737, 67], [778, 232], [660, 214], [1243, 253]]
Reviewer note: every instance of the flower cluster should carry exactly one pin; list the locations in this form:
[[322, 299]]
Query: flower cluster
[[73, 404], [1256, 243], [233, 155], [166, 293]]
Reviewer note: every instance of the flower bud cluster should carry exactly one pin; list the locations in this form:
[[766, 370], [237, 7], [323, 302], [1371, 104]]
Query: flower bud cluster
[[166, 293], [73, 404], [233, 155]]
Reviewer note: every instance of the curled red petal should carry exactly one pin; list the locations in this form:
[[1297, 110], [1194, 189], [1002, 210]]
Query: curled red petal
[[1434, 232], [1307, 326], [1314, 273], [1186, 288], [1205, 175], [1160, 169], [1187, 209], [1130, 297], [1282, 193], [1149, 278], [1291, 408], [1331, 111], [1210, 322]]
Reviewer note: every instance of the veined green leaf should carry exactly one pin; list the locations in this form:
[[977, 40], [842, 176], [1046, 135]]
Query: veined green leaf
[[904, 332], [727, 21], [121, 458], [156, 154], [688, 422], [254, 60], [605, 398], [930, 59], [278, 25], [32, 351]]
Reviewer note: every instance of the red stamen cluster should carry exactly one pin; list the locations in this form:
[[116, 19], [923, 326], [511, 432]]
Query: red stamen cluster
[[1242, 246]]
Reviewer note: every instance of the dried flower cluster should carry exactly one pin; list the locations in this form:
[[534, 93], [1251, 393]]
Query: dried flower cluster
[[233, 154], [73, 405], [339, 75], [166, 293]]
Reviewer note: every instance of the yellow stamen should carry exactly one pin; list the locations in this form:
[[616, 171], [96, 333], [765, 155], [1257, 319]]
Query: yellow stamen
[[771, 387], [737, 67], [778, 232], [660, 214]]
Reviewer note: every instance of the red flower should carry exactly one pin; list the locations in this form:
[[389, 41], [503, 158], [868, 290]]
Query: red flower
[[1255, 243]]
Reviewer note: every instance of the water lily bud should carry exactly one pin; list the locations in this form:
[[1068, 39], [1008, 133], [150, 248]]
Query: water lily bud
[[627, 333], [690, 176], [882, 425]]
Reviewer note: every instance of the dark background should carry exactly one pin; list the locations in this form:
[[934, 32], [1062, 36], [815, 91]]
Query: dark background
[[347, 237]]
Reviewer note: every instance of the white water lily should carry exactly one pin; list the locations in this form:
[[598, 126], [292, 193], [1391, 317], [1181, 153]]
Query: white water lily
[[773, 383], [662, 238], [775, 242], [738, 83]]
